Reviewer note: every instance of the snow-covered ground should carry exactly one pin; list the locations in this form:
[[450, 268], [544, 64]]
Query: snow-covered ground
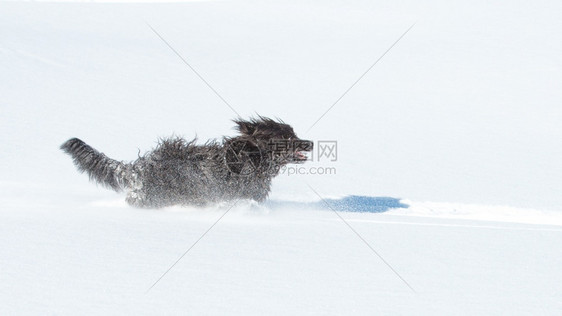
[[448, 157]]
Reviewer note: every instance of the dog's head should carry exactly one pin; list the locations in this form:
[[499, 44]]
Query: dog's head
[[275, 138], [269, 143]]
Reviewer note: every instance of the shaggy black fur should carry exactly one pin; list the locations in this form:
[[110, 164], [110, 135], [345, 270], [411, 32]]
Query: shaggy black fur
[[181, 172]]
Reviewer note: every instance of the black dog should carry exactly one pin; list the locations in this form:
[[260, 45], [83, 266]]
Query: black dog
[[182, 172]]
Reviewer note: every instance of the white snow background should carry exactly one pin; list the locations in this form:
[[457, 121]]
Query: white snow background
[[459, 123]]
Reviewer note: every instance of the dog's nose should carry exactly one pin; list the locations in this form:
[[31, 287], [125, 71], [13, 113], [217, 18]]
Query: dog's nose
[[307, 145]]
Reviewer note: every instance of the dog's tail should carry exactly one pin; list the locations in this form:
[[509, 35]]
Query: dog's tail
[[108, 172]]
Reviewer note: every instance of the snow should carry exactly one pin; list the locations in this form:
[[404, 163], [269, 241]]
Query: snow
[[103, 259], [448, 160]]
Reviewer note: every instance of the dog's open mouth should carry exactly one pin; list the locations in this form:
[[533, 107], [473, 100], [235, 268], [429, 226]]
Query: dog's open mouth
[[299, 156], [302, 147]]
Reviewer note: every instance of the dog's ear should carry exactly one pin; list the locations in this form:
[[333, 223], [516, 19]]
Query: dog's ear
[[245, 127]]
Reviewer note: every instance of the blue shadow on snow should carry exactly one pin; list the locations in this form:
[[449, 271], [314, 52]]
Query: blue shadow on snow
[[351, 203]]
